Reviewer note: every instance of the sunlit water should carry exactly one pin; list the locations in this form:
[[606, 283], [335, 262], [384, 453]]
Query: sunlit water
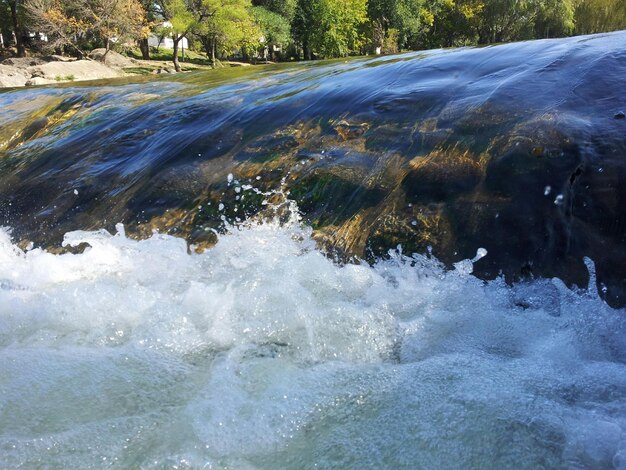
[[263, 353]]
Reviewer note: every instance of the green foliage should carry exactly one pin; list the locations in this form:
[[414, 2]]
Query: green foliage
[[596, 16], [275, 28], [227, 25], [308, 28], [554, 18], [180, 16], [284, 8], [330, 28], [5, 16], [69, 78]]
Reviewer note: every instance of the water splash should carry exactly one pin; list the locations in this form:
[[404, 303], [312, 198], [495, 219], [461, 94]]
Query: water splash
[[261, 352]]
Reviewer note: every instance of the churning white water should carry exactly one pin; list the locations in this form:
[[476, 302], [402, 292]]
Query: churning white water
[[263, 353]]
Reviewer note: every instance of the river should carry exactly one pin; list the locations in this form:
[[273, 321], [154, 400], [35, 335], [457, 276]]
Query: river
[[412, 261]]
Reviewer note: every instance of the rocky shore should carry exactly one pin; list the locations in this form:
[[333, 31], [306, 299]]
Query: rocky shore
[[29, 71]]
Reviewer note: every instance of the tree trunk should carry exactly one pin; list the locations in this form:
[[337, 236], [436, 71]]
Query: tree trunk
[[176, 38], [1, 39], [145, 49], [213, 52], [17, 29], [306, 51]]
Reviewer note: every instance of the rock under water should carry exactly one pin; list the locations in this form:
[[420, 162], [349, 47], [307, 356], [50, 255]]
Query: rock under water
[[516, 148]]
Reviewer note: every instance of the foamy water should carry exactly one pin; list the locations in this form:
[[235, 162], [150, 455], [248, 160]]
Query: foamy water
[[263, 353]]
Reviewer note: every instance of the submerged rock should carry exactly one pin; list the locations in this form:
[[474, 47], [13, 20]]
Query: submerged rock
[[455, 151]]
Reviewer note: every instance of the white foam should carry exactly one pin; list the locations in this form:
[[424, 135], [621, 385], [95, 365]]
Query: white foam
[[262, 353]]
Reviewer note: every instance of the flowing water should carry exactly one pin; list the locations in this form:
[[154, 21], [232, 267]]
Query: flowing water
[[220, 326]]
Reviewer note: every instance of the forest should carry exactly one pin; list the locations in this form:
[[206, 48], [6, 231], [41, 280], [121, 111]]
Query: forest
[[281, 30]]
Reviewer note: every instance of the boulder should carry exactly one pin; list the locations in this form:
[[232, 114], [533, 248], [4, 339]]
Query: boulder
[[111, 58], [77, 70], [39, 81], [23, 62], [11, 76], [57, 58]]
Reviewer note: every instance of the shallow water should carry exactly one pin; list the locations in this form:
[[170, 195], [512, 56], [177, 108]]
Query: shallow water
[[263, 353], [515, 147], [135, 349]]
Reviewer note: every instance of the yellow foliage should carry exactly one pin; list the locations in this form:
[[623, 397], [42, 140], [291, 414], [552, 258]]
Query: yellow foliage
[[470, 10], [427, 17]]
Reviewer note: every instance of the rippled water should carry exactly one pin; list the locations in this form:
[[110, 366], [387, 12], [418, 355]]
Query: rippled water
[[516, 148], [131, 347]]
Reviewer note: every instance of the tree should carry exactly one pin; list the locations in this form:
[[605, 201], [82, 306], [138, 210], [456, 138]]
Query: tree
[[63, 23], [13, 10], [383, 16], [595, 16], [284, 8], [180, 16], [274, 27], [452, 23], [228, 25], [152, 18], [554, 18], [331, 28], [117, 20], [5, 21], [74, 23], [506, 20], [302, 29], [412, 24]]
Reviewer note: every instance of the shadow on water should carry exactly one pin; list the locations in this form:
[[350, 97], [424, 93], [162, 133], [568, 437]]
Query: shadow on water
[[517, 148]]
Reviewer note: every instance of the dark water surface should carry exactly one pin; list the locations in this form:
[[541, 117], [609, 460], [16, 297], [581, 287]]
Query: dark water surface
[[516, 148]]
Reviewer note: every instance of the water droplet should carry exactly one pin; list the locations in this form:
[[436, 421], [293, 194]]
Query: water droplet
[[230, 178], [559, 200], [76, 192], [547, 190], [220, 207], [480, 253], [414, 223]]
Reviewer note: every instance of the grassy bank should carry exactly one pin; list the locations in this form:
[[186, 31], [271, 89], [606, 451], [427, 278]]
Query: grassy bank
[[162, 54]]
